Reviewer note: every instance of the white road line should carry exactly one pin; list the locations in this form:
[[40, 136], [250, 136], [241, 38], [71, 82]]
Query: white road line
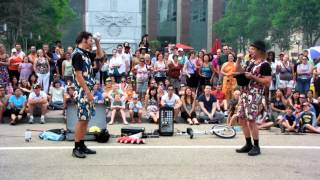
[[155, 147]]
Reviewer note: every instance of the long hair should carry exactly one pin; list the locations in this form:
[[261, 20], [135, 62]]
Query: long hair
[[155, 96], [186, 96]]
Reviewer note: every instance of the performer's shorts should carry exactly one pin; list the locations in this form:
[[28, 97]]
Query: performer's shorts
[[85, 109]]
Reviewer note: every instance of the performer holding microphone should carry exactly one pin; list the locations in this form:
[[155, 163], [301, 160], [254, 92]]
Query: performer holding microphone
[[253, 80], [82, 59]]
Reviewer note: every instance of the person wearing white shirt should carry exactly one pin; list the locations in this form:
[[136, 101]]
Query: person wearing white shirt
[[171, 100], [37, 98], [117, 67], [19, 51]]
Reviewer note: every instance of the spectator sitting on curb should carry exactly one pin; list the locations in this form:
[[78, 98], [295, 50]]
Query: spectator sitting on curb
[[37, 99]]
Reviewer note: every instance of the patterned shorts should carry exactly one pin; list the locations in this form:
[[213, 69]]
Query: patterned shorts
[[250, 103], [85, 109]]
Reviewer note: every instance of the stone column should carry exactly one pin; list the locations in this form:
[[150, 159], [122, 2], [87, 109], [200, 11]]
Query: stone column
[[209, 25], [179, 20]]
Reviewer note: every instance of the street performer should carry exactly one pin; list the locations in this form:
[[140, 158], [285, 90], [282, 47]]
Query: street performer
[[82, 59], [258, 76]]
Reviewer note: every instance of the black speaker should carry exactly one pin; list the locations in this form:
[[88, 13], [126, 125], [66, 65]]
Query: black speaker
[[166, 121]]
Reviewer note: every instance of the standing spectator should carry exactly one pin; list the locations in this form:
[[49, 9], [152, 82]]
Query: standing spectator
[[25, 68], [70, 50], [229, 82], [190, 70], [117, 67], [4, 62], [104, 71], [141, 72], [14, 62], [208, 106], [189, 107], [152, 104], [56, 55], [181, 57], [17, 104], [19, 51], [174, 72], [285, 69], [172, 100], [160, 69], [317, 79], [206, 73], [33, 54], [127, 56], [42, 69], [224, 56], [274, 83], [37, 99], [304, 73], [3, 101], [56, 94], [135, 109], [135, 59], [67, 68], [145, 42]]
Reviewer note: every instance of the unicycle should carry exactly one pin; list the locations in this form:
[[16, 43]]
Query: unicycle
[[223, 131]]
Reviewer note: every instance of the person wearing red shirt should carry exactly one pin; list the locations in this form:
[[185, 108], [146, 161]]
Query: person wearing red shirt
[[221, 99]]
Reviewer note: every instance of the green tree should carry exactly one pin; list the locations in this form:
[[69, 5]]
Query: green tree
[[42, 18]]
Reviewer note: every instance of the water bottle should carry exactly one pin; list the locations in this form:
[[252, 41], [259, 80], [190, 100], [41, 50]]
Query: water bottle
[[28, 136]]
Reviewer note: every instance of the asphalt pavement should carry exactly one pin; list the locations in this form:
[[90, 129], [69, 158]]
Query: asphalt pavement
[[284, 156]]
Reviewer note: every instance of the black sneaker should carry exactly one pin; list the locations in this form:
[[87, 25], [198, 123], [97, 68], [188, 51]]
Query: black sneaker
[[245, 149], [283, 130], [86, 150], [254, 151], [76, 152]]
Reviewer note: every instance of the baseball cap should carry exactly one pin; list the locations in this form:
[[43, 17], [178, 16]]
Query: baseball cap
[[135, 96], [180, 49], [13, 50]]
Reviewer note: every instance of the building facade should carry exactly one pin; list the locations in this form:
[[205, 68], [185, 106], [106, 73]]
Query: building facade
[[176, 21]]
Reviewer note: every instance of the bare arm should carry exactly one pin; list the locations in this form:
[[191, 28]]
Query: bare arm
[[99, 51], [238, 66]]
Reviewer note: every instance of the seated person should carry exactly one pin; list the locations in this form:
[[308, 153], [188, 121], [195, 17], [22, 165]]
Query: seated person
[[171, 100], [25, 87], [278, 106], [208, 106], [117, 105], [56, 77], [135, 109], [68, 98], [3, 102], [37, 99], [233, 105], [129, 92], [182, 90], [289, 120], [97, 94], [56, 94], [189, 107], [17, 104], [222, 103], [307, 120], [263, 121], [152, 105]]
